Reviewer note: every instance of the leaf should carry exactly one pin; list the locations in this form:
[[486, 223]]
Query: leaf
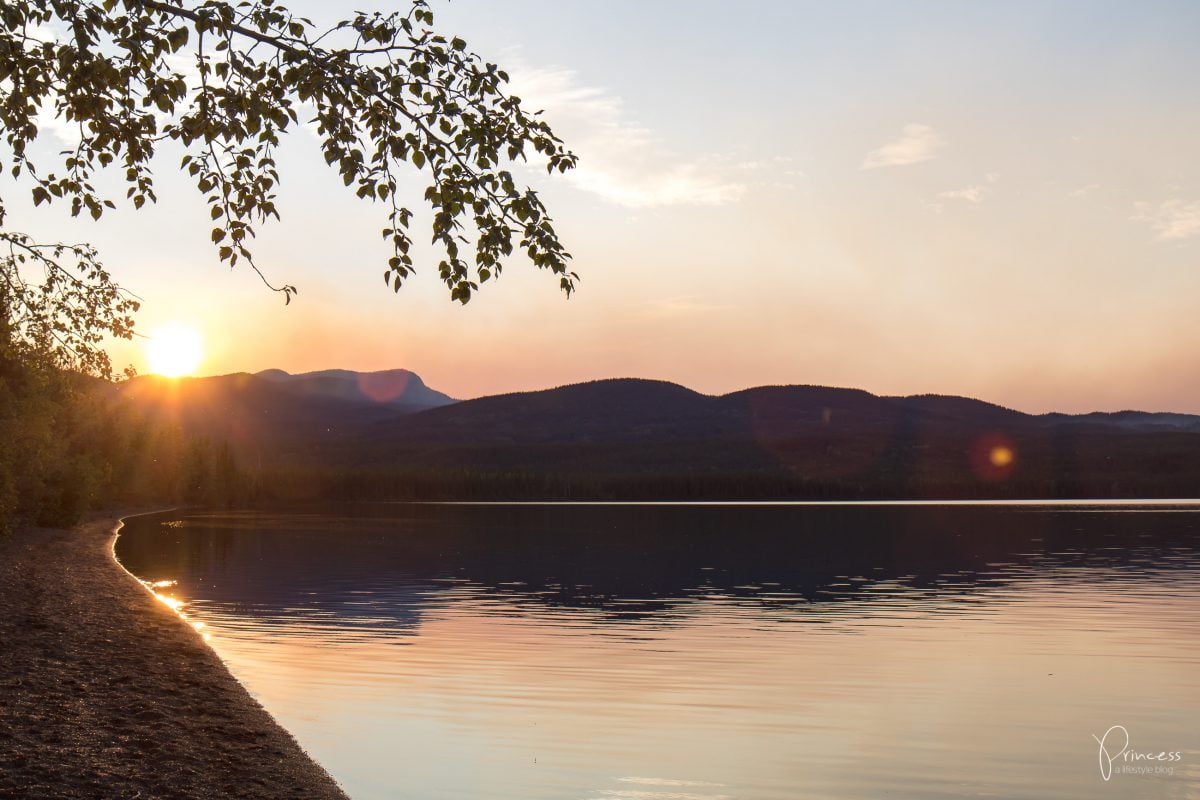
[[177, 38], [383, 88]]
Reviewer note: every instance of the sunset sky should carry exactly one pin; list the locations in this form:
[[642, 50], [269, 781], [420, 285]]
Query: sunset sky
[[999, 200]]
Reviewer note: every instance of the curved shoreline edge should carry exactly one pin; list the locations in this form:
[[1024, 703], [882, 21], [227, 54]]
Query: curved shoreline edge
[[105, 692]]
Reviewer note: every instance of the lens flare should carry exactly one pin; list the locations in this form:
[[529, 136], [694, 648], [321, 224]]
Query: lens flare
[[1001, 456], [993, 457]]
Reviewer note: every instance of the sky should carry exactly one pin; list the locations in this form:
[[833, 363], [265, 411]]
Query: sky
[[999, 200]]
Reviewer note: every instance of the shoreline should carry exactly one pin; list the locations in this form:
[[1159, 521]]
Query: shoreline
[[105, 692]]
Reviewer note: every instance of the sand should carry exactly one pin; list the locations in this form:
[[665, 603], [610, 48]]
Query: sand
[[107, 693]]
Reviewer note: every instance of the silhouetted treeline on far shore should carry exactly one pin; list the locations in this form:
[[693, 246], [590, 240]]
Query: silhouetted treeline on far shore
[[308, 483]]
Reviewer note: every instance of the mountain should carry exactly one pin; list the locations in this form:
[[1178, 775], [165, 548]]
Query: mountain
[[643, 412], [276, 414], [635, 438], [368, 435], [394, 387], [1133, 420]]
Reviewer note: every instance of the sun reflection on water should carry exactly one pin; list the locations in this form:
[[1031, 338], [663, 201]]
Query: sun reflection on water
[[176, 605]]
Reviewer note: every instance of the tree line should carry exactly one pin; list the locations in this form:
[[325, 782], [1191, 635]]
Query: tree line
[[66, 448]]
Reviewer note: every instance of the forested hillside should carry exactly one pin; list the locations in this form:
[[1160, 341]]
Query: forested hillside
[[72, 443], [638, 439]]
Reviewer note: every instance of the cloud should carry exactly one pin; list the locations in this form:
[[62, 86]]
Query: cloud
[[620, 160], [776, 172], [969, 194], [917, 143], [1172, 220], [972, 194], [50, 120], [680, 306]]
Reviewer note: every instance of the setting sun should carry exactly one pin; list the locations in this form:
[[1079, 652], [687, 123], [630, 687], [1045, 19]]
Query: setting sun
[[174, 351]]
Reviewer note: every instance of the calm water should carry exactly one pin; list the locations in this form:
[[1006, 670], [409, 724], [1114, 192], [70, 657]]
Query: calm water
[[697, 653]]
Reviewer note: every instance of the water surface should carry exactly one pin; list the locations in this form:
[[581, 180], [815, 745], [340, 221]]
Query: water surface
[[704, 652]]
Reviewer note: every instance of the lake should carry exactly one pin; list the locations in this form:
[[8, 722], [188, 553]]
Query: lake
[[706, 652]]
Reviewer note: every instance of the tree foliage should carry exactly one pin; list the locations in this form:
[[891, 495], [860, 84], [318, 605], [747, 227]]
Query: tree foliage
[[71, 444], [221, 83], [225, 81], [58, 304]]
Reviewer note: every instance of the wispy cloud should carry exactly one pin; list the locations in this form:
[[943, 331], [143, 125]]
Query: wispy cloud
[[51, 121], [620, 160], [917, 143], [680, 306], [666, 185], [971, 194], [1172, 220], [974, 193]]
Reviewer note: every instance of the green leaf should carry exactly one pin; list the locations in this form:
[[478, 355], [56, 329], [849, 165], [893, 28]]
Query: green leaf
[[383, 90], [177, 38]]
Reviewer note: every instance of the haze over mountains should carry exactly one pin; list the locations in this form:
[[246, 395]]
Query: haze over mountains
[[273, 408], [397, 388], [388, 434]]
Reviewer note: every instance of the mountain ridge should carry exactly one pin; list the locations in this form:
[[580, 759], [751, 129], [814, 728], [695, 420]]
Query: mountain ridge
[[621, 437]]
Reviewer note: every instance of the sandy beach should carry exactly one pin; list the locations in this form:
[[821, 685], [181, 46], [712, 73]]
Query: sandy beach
[[106, 693]]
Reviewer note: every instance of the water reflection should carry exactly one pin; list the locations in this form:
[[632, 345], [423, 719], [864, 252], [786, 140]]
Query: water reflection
[[703, 652]]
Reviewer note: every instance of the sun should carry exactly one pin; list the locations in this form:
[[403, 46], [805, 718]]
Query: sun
[[174, 351]]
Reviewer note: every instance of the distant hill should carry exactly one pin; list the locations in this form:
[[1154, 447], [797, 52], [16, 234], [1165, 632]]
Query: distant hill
[[1132, 420], [646, 413], [275, 414], [368, 435], [637, 438], [394, 387]]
